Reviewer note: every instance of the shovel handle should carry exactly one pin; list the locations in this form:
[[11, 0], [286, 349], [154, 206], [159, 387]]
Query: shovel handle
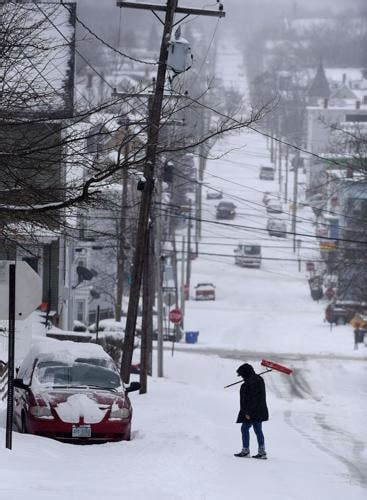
[[241, 381]]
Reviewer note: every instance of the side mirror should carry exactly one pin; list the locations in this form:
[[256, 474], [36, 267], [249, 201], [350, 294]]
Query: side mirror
[[19, 384], [134, 386]]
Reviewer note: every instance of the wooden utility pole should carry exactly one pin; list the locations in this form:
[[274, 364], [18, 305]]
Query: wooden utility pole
[[183, 281], [295, 200], [147, 326], [280, 167], [122, 232], [149, 170], [188, 262], [286, 168]]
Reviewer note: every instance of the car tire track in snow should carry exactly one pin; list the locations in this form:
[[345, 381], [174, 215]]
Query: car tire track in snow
[[356, 472]]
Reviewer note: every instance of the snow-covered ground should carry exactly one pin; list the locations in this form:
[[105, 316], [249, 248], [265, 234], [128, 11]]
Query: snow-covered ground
[[184, 433]]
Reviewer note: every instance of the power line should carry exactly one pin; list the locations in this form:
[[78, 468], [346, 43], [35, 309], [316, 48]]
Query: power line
[[100, 39]]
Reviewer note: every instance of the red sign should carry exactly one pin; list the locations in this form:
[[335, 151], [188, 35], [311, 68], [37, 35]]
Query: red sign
[[175, 316]]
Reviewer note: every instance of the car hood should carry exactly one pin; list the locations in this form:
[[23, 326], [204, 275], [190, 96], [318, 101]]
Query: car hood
[[74, 405]]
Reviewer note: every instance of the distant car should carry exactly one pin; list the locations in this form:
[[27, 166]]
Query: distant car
[[214, 195], [248, 255], [274, 207], [205, 291], [225, 210], [277, 227], [341, 312], [267, 173], [72, 392], [172, 333]]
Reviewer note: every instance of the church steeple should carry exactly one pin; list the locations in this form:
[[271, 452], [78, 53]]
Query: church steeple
[[319, 88]]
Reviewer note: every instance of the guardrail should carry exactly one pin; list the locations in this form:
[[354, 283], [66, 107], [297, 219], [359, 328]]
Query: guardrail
[[3, 381]]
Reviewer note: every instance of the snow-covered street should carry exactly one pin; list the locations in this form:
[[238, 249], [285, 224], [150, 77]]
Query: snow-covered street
[[184, 431]]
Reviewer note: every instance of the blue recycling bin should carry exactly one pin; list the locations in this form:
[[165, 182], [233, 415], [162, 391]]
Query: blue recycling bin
[[191, 337]]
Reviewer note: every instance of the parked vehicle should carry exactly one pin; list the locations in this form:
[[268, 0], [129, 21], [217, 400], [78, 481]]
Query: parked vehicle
[[214, 195], [205, 291], [172, 333], [274, 207], [267, 173], [72, 392], [277, 228], [247, 255], [341, 312], [225, 210]]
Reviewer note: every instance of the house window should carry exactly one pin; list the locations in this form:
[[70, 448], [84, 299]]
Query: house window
[[80, 310]]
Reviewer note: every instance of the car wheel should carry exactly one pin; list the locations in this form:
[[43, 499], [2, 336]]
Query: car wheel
[[23, 428], [341, 321]]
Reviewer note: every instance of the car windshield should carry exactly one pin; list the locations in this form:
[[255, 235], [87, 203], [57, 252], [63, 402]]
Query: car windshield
[[226, 204], [251, 249], [77, 374], [267, 169]]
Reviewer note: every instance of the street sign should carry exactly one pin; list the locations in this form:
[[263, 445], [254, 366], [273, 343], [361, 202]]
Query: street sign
[[28, 289], [175, 316], [169, 298]]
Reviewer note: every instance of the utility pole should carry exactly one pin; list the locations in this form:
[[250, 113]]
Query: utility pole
[[149, 170], [147, 327], [183, 281], [159, 277], [280, 167], [286, 168], [188, 263], [295, 200], [122, 231]]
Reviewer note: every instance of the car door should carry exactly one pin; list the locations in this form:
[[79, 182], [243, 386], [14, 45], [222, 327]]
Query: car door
[[20, 395]]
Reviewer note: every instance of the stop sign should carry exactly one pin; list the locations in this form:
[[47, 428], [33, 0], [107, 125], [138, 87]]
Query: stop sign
[[175, 316]]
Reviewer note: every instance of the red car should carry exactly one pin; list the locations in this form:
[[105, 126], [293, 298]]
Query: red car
[[205, 291], [72, 392]]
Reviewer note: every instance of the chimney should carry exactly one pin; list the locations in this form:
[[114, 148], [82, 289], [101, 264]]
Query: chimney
[[358, 104], [326, 103], [344, 78]]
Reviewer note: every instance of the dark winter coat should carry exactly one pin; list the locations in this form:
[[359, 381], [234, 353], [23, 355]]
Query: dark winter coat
[[252, 398]]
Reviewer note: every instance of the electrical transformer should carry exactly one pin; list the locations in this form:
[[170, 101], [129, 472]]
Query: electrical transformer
[[179, 55]]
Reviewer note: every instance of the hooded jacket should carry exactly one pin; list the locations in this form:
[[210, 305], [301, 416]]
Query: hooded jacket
[[252, 396]]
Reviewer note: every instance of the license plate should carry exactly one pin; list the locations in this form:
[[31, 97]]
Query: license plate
[[81, 431]]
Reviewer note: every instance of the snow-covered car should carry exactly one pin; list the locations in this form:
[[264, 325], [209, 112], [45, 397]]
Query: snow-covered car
[[225, 210], [274, 207], [214, 195], [205, 291], [267, 173], [72, 392], [277, 227]]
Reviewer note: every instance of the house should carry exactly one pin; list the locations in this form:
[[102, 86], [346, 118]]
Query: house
[[37, 90]]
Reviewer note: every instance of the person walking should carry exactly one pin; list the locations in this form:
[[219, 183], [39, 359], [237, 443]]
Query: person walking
[[253, 410]]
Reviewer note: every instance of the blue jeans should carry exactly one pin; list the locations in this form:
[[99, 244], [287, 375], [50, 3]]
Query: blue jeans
[[245, 430]]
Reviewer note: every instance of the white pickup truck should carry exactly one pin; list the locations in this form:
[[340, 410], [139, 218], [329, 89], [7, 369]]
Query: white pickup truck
[[247, 255]]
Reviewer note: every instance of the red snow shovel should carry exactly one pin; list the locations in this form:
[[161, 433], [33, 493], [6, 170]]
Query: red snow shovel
[[270, 367]]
